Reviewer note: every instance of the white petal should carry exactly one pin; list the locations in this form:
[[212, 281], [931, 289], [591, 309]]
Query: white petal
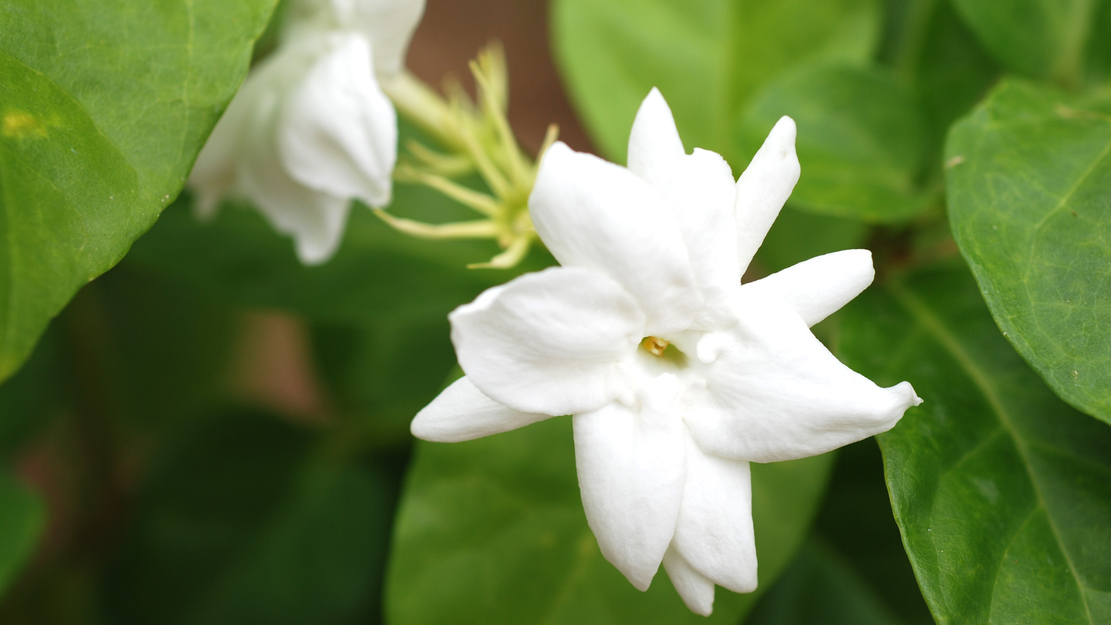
[[714, 533], [818, 287], [315, 220], [462, 413], [252, 113], [776, 393], [764, 187], [654, 143], [338, 130], [630, 465], [556, 342], [700, 191], [601, 216], [697, 591]]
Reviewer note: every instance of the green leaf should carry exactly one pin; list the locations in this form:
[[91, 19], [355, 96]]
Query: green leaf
[[821, 588], [1001, 491], [492, 531], [861, 139], [106, 104], [1042, 38], [241, 522], [707, 57], [1030, 209], [22, 521]]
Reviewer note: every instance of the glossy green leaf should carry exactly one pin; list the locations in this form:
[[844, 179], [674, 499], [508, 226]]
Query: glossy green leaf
[[1002, 492], [707, 57], [861, 139], [492, 531], [22, 522], [1043, 38], [1030, 207], [105, 105], [242, 522]]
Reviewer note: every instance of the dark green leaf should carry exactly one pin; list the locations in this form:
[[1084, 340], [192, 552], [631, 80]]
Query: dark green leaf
[[861, 139], [1030, 209], [22, 521], [821, 588], [492, 531], [242, 523], [106, 104], [707, 57], [385, 371], [1002, 492], [1042, 38]]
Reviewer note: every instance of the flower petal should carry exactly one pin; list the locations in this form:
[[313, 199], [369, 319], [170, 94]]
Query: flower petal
[[630, 465], [697, 591], [556, 342], [314, 219], [338, 131], [818, 287], [700, 191], [601, 216], [462, 413], [654, 143], [251, 115], [764, 187], [714, 532], [775, 392]]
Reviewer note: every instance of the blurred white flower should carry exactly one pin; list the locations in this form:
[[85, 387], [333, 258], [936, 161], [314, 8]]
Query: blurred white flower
[[676, 374], [311, 128]]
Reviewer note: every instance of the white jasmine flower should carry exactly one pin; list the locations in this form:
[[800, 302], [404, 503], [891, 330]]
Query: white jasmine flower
[[677, 375], [311, 128]]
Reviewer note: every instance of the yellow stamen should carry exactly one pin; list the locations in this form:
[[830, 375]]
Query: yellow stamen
[[654, 345]]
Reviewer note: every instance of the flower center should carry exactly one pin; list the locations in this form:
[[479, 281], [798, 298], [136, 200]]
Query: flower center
[[654, 345]]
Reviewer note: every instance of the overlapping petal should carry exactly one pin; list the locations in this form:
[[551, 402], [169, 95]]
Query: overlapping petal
[[714, 532], [818, 287], [598, 215], [631, 473], [774, 392], [462, 413], [337, 130], [695, 588], [700, 191], [556, 342], [763, 188]]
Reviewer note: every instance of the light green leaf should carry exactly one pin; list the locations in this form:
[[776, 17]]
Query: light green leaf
[[105, 106], [492, 531], [707, 57], [1002, 492], [1042, 38], [22, 521], [1029, 190], [861, 139]]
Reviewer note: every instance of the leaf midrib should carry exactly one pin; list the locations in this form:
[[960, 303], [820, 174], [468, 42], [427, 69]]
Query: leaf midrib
[[934, 326]]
